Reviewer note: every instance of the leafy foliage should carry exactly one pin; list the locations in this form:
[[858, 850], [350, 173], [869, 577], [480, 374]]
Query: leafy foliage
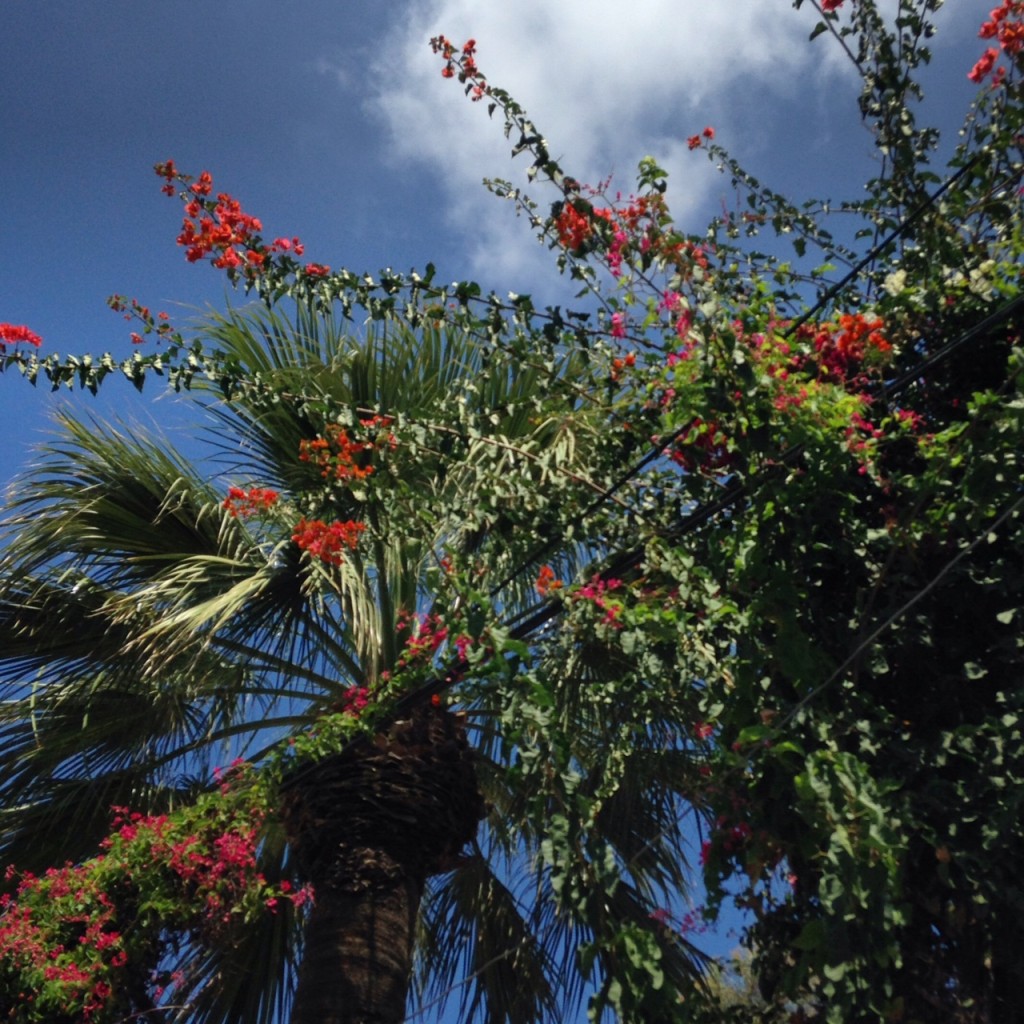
[[735, 549]]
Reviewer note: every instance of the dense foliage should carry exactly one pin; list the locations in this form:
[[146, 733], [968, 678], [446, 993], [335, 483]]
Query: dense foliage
[[740, 543]]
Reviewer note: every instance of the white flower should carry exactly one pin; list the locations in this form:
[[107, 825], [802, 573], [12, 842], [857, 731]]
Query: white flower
[[895, 283]]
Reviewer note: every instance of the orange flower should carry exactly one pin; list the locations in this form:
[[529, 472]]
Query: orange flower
[[546, 583]]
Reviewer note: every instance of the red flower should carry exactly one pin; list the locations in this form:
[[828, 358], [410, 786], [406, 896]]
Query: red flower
[[204, 186]]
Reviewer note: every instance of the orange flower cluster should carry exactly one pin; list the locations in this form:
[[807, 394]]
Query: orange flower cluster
[[339, 455], [546, 583], [844, 348], [618, 365], [327, 541]]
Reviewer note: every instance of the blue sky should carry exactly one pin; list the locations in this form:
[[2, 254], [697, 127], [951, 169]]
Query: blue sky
[[330, 121]]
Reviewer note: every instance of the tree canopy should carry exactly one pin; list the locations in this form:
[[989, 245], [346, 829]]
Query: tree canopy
[[733, 547]]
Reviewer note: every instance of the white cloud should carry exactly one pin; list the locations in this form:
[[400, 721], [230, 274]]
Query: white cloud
[[607, 83]]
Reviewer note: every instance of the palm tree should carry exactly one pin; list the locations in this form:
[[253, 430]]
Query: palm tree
[[149, 634]]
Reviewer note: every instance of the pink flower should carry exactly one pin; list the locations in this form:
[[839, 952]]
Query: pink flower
[[618, 325]]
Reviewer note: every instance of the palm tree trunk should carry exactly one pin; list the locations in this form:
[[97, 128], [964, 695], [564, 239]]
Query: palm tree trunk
[[358, 953], [367, 827]]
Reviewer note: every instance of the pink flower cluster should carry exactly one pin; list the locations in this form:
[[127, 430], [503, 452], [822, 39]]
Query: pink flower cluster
[[72, 965], [353, 700], [214, 869], [692, 922], [424, 634], [597, 592]]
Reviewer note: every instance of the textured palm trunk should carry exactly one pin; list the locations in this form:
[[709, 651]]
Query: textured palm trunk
[[367, 828]]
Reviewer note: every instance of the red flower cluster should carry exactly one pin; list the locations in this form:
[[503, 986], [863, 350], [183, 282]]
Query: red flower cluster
[[632, 229], [576, 227], [252, 502], [11, 334], [703, 448], [327, 541], [221, 229], [694, 141], [1006, 26], [461, 63], [231, 234], [831, 5], [132, 309]]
